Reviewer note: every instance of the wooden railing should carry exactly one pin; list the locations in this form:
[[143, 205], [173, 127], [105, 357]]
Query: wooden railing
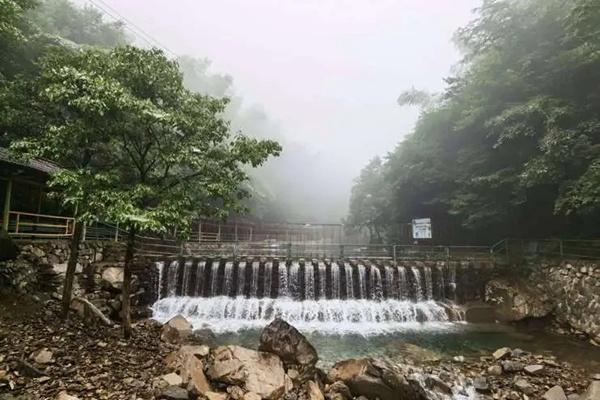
[[23, 224]]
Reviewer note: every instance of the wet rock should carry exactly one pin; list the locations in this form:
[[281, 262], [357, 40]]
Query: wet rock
[[176, 330], [516, 300], [42, 356], [502, 353], [535, 369], [65, 396], [375, 379], [555, 393], [592, 392], [524, 386], [112, 279], [339, 388], [172, 379], [512, 366], [481, 385], [291, 346], [435, 383], [314, 391], [174, 393], [258, 372]]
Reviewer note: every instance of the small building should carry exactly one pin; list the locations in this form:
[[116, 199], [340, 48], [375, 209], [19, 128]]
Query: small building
[[27, 211]]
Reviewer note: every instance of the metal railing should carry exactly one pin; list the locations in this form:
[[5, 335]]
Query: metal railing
[[518, 249], [23, 224]]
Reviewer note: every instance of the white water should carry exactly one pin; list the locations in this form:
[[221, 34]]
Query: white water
[[349, 281], [228, 278], [200, 277], [161, 267], [309, 281], [284, 290], [322, 271], [335, 281], [254, 287], [241, 278], [267, 279], [227, 314]]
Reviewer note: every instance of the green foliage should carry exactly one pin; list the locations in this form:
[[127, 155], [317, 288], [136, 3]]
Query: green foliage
[[512, 147], [138, 148]]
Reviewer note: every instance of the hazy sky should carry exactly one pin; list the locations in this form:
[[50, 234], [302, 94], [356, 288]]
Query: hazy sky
[[327, 71]]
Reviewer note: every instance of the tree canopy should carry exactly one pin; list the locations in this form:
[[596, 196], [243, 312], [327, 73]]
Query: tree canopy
[[512, 146]]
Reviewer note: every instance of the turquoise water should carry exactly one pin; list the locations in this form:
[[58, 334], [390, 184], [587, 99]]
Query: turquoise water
[[441, 340]]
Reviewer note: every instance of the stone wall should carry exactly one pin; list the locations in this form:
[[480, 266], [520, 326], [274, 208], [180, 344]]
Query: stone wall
[[568, 292]]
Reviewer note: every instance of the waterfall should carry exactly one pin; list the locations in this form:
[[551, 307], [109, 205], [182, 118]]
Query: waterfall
[[402, 284], [349, 281], [241, 281], [172, 276], [160, 266], [428, 283], [335, 281], [309, 281], [294, 280], [417, 284], [375, 283], [322, 280], [214, 278], [284, 290], [267, 279], [228, 296], [390, 283], [362, 282], [200, 278], [228, 279], [254, 287], [187, 270], [227, 314]]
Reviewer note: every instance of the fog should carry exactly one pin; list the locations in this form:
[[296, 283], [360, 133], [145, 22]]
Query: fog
[[321, 76]]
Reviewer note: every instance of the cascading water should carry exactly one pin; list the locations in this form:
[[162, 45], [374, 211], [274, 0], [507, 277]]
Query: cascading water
[[309, 281], [322, 297], [335, 281], [254, 287], [322, 270], [349, 281], [268, 279], [161, 267]]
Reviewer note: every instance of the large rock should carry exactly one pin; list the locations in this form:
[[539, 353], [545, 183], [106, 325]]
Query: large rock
[[187, 361], [555, 393], [291, 346], [374, 379], [8, 250], [255, 371], [592, 392], [176, 330], [112, 278], [517, 301]]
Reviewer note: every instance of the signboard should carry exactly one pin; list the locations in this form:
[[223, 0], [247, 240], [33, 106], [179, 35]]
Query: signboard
[[421, 228]]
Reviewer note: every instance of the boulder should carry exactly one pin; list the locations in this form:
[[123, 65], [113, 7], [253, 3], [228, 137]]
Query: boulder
[[174, 393], [258, 372], [592, 392], [435, 383], [512, 366], [313, 391], [516, 301], [236, 392], [8, 249], [251, 396], [65, 396], [494, 370], [375, 379], [42, 356], [524, 386], [339, 388], [176, 330], [172, 379], [291, 346], [502, 353], [187, 361], [481, 385], [112, 279], [535, 369], [555, 393]]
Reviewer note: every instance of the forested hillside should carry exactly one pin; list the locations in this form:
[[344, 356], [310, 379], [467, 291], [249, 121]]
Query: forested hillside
[[512, 146]]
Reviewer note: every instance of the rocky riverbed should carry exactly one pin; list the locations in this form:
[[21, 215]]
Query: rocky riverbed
[[43, 358]]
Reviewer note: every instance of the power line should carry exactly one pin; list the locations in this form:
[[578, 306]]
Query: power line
[[139, 32]]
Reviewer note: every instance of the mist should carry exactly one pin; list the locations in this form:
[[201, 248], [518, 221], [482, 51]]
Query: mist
[[322, 77]]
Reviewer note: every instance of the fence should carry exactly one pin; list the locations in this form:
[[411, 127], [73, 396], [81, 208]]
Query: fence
[[518, 249], [22, 224]]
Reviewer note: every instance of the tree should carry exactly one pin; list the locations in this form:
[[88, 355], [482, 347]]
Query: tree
[[138, 148]]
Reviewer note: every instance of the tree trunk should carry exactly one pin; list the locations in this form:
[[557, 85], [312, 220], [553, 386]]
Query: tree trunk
[[126, 307], [71, 267]]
